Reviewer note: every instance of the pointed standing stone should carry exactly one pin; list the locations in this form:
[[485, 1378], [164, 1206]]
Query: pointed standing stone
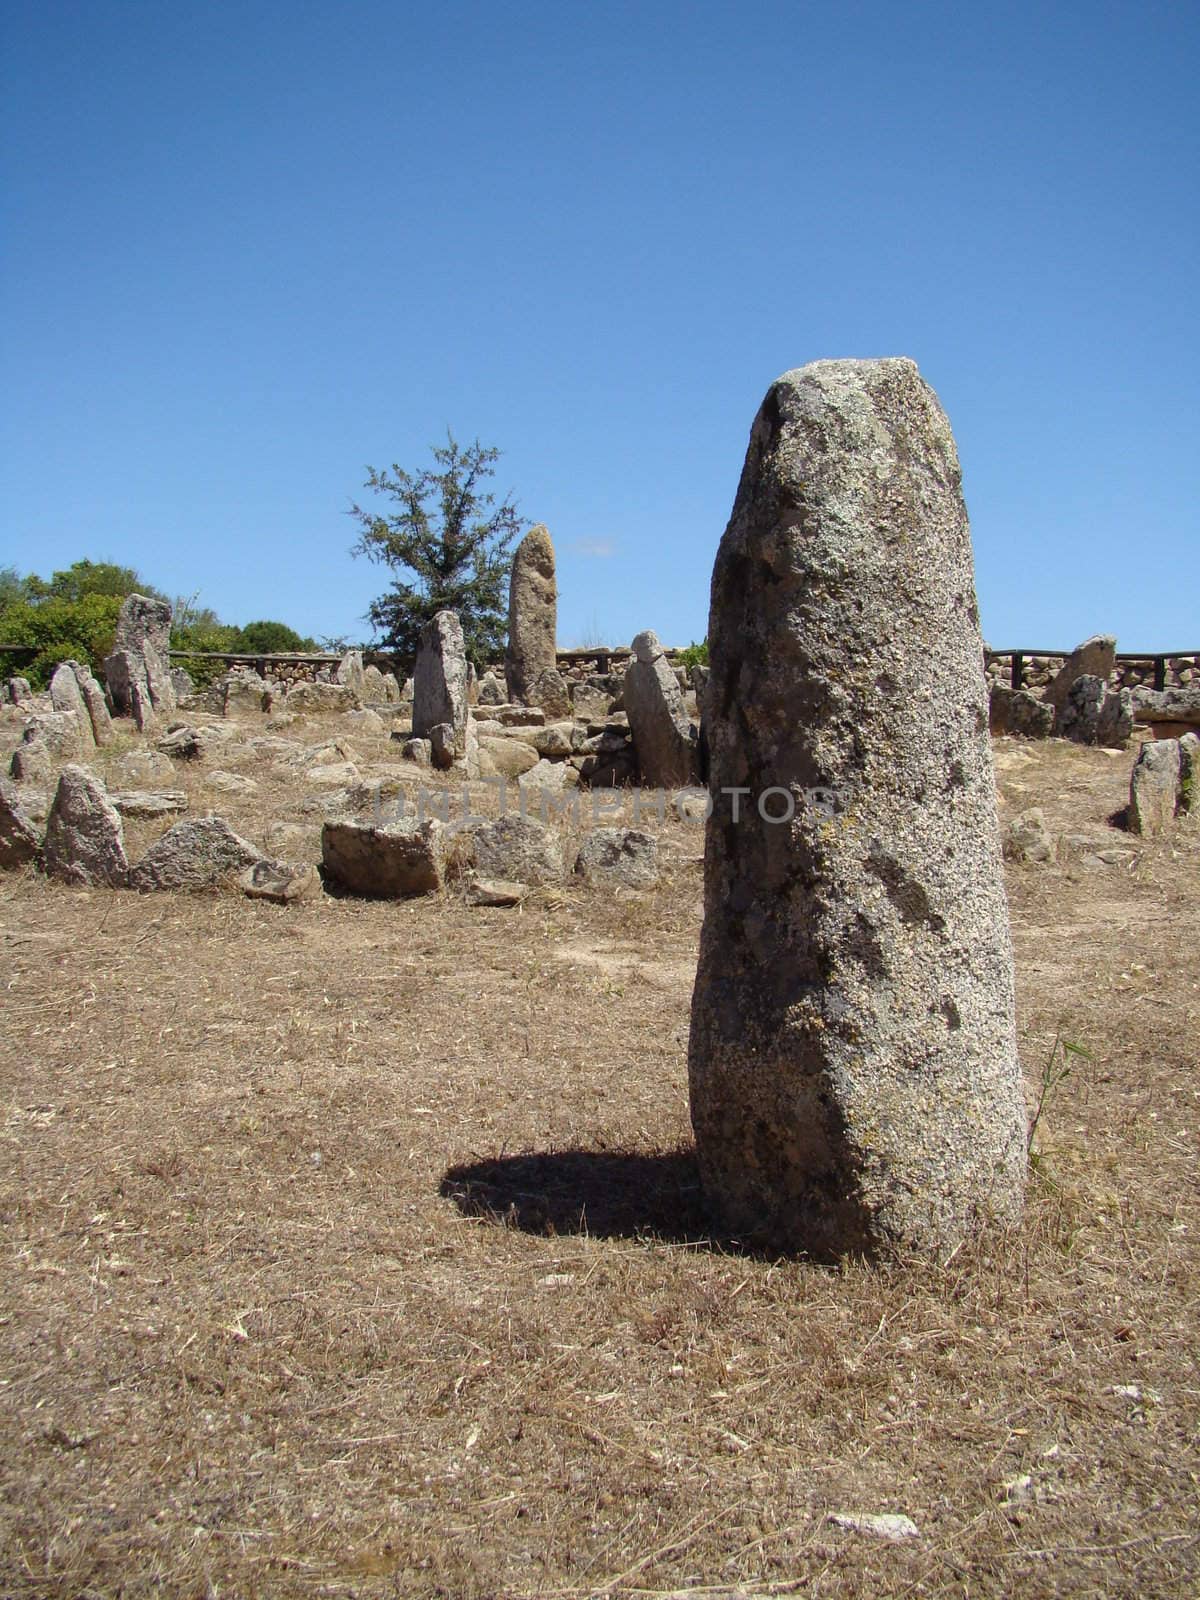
[[532, 617], [93, 699], [85, 838], [68, 701], [662, 731], [853, 1067]]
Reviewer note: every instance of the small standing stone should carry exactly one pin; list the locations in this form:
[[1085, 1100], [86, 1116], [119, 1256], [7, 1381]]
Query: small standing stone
[[662, 732], [1154, 788], [853, 1068], [532, 617], [68, 702], [1095, 657], [20, 839], [85, 838], [619, 855], [93, 699], [440, 686]]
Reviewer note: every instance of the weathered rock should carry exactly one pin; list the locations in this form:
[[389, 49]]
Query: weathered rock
[[140, 657], [532, 617], [69, 702], [387, 861], [418, 750], [589, 703], [619, 855], [518, 849], [551, 691], [141, 707], [1189, 773], [31, 762], [1095, 657], [853, 1068], [614, 769], [230, 782], [1169, 706], [147, 803], [545, 775], [20, 837], [510, 757], [59, 731], [352, 674], [332, 774], [491, 690], [553, 741], [17, 691], [202, 853], [319, 699], [1026, 838], [181, 682], [440, 686], [95, 704], [1154, 788], [244, 694], [495, 892], [519, 716], [662, 734], [442, 749], [373, 689], [85, 838], [280, 883], [1018, 712], [182, 744], [1093, 714]]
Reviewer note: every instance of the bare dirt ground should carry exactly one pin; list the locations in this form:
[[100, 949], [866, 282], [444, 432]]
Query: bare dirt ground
[[355, 1248]]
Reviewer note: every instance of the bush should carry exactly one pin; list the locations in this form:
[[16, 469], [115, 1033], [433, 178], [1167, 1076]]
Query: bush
[[59, 630], [270, 638], [696, 655]]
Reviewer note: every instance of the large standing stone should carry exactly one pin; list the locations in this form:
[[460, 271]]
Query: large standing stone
[[532, 617], [1154, 787], [440, 687], [662, 731], [140, 662], [85, 838], [69, 702], [1095, 658], [853, 1067]]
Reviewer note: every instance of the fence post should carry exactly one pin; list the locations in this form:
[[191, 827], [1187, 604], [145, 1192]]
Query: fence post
[[1017, 676]]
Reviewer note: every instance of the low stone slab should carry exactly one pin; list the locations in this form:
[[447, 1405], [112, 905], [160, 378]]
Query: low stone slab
[[145, 803], [198, 854], [387, 861], [619, 855], [496, 892], [320, 698], [280, 883]]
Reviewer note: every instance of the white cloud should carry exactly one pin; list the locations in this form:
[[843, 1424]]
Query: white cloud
[[597, 549]]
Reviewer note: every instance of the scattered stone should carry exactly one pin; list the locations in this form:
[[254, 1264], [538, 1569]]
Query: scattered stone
[[1169, 706], [853, 1069], [368, 722], [491, 690], [442, 750], [495, 892], [1092, 714], [440, 687], [144, 803], [1018, 712], [550, 775], [418, 750], [883, 1525], [20, 838], [387, 861], [17, 691], [319, 699], [1026, 838], [280, 883], [352, 674], [1154, 788], [553, 741], [510, 757], [518, 848], [619, 855], [519, 716], [589, 703], [59, 731], [202, 853], [31, 762], [551, 691], [230, 782], [1095, 657], [85, 838], [182, 744], [244, 694], [662, 734], [333, 774], [532, 617]]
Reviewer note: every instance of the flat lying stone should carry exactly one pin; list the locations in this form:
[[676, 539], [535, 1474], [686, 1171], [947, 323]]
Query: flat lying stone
[[143, 803], [202, 853], [386, 861]]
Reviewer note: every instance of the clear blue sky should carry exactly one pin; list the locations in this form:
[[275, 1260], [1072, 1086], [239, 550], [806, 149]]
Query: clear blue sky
[[251, 247]]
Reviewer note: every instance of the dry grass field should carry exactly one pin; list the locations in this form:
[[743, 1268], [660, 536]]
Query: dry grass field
[[355, 1249]]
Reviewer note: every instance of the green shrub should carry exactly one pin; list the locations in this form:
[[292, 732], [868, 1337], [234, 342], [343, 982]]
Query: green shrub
[[59, 630], [696, 655]]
